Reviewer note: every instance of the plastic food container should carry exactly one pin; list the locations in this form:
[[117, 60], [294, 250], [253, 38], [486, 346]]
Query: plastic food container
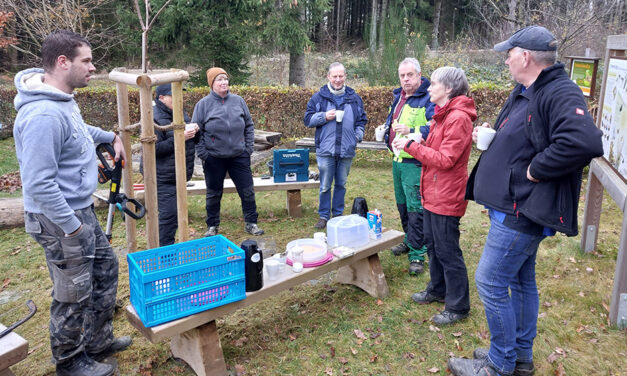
[[348, 230], [313, 250]]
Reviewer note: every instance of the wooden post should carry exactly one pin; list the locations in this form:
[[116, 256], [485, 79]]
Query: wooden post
[[620, 274], [148, 140], [294, 203], [127, 172], [180, 160], [201, 349], [591, 213]]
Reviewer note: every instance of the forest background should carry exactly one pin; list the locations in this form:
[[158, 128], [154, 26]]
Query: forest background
[[198, 34]]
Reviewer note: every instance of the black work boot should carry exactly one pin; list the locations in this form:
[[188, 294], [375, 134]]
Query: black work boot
[[447, 317], [522, 368], [424, 297], [400, 249], [82, 365], [118, 344], [471, 367], [416, 267]]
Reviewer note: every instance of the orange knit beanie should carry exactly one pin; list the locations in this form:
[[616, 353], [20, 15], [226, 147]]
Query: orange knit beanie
[[212, 73]]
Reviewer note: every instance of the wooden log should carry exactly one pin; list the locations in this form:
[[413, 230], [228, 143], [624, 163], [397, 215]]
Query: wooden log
[[140, 79], [13, 349], [269, 138], [366, 274], [11, 212], [310, 143], [127, 172], [150, 172], [201, 349], [180, 161]]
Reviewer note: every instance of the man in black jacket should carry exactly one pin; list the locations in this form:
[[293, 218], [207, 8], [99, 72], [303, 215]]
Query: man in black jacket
[[166, 170], [529, 180]]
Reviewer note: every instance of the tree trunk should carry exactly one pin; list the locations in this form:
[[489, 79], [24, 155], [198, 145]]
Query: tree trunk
[[337, 26], [436, 24], [382, 18], [373, 28], [297, 69], [513, 4]]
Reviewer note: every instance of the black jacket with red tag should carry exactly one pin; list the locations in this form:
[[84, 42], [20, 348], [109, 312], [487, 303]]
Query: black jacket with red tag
[[557, 141]]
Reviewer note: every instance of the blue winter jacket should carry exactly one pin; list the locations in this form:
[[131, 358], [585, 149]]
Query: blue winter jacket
[[335, 139]]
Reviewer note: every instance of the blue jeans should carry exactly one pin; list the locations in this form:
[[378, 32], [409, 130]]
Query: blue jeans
[[332, 169], [508, 264]]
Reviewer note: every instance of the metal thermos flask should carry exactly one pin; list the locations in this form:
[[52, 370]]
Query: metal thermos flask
[[253, 265]]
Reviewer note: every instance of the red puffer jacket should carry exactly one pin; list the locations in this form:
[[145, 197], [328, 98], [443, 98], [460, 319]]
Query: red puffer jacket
[[444, 157]]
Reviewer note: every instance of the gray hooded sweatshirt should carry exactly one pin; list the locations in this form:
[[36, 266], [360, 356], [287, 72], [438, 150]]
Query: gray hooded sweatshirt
[[55, 150]]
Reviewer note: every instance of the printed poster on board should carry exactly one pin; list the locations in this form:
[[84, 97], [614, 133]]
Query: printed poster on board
[[614, 116]]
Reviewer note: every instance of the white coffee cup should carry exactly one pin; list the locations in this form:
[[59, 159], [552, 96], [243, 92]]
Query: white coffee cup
[[272, 267], [339, 115], [484, 137], [379, 132], [190, 126]]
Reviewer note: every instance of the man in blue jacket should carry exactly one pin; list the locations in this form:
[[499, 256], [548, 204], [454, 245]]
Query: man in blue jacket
[[410, 113], [57, 157], [337, 113], [529, 179]]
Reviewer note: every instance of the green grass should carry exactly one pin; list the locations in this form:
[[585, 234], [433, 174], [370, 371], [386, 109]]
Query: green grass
[[8, 160], [309, 329]]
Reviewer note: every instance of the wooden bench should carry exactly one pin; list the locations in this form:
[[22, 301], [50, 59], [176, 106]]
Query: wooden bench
[[198, 187], [310, 143], [195, 338], [13, 349]]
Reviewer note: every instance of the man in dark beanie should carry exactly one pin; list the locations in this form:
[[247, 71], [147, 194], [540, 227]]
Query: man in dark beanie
[[529, 178]]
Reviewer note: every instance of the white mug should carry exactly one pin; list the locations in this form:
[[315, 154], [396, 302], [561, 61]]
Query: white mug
[[379, 132], [320, 236]]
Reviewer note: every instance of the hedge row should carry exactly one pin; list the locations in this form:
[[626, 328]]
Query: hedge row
[[277, 109]]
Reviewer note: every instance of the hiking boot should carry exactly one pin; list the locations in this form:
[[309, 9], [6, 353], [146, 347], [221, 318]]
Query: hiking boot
[[253, 229], [212, 231], [447, 317], [522, 368], [471, 367], [424, 297], [400, 249], [416, 267], [322, 223], [118, 344], [82, 365]]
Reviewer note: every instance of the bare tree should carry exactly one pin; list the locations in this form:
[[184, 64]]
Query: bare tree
[[37, 19], [146, 25]]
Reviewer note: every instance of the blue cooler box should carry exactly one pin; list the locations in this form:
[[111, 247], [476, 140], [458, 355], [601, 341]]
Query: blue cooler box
[[291, 165]]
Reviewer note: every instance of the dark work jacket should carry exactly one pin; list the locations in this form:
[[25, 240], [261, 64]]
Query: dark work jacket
[[561, 140], [164, 148]]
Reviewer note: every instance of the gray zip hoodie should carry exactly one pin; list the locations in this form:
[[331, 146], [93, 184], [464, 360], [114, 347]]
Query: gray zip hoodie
[[55, 150]]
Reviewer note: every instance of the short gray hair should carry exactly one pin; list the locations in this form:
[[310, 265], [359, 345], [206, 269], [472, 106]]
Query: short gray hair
[[336, 65], [544, 57], [412, 61], [452, 78]]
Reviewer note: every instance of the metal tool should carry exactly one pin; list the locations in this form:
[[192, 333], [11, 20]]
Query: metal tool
[[32, 308], [116, 199]]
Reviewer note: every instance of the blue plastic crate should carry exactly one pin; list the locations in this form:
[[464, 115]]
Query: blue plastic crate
[[178, 280]]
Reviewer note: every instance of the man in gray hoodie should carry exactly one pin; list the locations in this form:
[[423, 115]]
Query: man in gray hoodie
[[56, 153]]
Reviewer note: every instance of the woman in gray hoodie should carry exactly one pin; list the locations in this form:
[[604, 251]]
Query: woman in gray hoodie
[[226, 144]]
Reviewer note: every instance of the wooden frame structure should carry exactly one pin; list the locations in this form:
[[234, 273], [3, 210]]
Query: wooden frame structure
[[602, 176], [145, 82]]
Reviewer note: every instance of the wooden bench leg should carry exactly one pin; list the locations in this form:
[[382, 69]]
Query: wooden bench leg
[[366, 274], [200, 348], [294, 204], [6, 372]]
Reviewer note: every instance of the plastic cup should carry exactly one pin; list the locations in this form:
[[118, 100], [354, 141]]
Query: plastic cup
[[485, 137], [320, 236], [272, 267], [190, 126], [297, 255], [339, 115], [282, 259], [379, 133]]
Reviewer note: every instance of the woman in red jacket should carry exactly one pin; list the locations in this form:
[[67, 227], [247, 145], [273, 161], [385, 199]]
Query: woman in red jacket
[[444, 158]]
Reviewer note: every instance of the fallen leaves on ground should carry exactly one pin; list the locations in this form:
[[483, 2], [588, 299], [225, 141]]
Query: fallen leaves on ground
[[556, 354], [343, 360], [374, 358], [240, 370], [433, 370], [10, 182], [359, 334], [241, 342], [6, 282], [559, 371]]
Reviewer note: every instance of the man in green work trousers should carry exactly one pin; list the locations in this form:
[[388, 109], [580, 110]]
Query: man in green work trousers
[[409, 115]]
